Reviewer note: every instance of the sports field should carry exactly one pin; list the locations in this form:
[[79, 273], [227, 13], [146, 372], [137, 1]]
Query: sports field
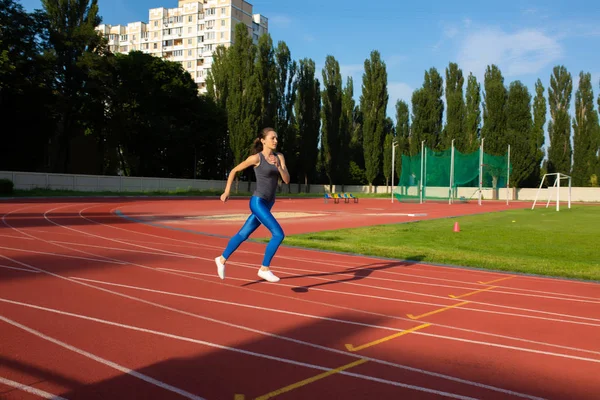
[[119, 298]]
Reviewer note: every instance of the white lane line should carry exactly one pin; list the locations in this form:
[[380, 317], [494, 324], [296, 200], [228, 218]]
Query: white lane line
[[409, 292], [101, 360], [349, 283], [30, 389], [20, 269], [268, 334], [344, 273], [450, 327], [105, 261], [321, 262], [121, 249], [405, 301], [16, 237], [280, 359], [194, 245], [361, 324]]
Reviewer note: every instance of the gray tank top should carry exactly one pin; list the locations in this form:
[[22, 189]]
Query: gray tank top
[[267, 176]]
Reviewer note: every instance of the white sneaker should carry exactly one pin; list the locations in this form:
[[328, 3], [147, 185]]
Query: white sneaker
[[267, 275], [220, 267]]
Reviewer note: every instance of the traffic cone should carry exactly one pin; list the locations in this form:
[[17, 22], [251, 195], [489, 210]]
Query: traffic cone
[[456, 227]]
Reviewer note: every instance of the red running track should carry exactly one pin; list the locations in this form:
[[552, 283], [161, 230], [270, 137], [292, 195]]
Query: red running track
[[117, 298]]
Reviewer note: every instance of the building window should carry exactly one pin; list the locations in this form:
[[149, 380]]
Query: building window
[[189, 64], [190, 18], [222, 22], [190, 41]]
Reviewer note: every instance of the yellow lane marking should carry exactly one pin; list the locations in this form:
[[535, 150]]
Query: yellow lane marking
[[239, 397], [311, 380], [385, 339], [436, 311], [497, 280], [475, 292]]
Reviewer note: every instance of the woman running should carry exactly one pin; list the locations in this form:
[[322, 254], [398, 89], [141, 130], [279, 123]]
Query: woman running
[[268, 167]]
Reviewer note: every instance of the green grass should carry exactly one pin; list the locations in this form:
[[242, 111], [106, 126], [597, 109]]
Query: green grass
[[541, 241]]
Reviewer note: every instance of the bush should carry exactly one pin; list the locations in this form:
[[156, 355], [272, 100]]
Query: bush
[[6, 186]]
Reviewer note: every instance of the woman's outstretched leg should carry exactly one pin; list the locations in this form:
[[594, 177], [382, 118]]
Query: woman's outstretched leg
[[244, 233], [262, 210]]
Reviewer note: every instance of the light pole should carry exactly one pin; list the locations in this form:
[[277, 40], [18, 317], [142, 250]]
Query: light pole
[[394, 144]]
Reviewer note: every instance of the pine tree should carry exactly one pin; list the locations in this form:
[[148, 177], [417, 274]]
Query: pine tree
[[244, 96], [346, 130], [519, 128], [428, 113], [494, 112], [455, 114], [286, 85], [559, 127], [472, 117], [402, 134], [585, 133], [308, 118], [539, 119], [331, 114], [373, 104]]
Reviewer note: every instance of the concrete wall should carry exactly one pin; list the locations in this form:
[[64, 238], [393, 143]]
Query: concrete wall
[[91, 183]]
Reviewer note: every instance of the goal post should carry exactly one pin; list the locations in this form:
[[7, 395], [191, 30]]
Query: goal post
[[556, 186]]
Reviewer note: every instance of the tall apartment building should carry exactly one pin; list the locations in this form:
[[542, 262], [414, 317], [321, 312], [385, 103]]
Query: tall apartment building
[[187, 34]]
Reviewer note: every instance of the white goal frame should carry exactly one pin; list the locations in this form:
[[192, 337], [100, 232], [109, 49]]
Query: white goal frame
[[559, 177]]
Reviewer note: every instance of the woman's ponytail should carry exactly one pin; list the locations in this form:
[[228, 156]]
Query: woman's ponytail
[[257, 146]]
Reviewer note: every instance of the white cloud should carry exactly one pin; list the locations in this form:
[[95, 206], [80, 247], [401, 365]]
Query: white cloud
[[279, 21], [353, 70], [520, 53]]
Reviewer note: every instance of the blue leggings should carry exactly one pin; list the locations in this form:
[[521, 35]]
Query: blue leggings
[[261, 214]]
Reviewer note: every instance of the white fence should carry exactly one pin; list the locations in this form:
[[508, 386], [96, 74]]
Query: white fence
[[95, 183]]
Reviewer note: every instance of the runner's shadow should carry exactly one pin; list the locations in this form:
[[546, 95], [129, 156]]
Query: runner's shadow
[[356, 273]]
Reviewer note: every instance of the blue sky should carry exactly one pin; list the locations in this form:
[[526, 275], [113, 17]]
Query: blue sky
[[526, 39]]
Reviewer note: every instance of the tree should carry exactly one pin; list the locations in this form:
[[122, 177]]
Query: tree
[[156, 120], [428, 113], [402, 134], [539, 119], [286, 85], [559, 126], [217, 80], [373, 104], [308, 117], [390, 134], [472, 117], [26, 97], [585, 133], [72, 35], [331, 113], [243, 96], [266, 71], [455, 116], [519, 129], [346, 131], [494, 112]]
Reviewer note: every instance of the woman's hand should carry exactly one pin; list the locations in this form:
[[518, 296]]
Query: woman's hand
[[225, 196]]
